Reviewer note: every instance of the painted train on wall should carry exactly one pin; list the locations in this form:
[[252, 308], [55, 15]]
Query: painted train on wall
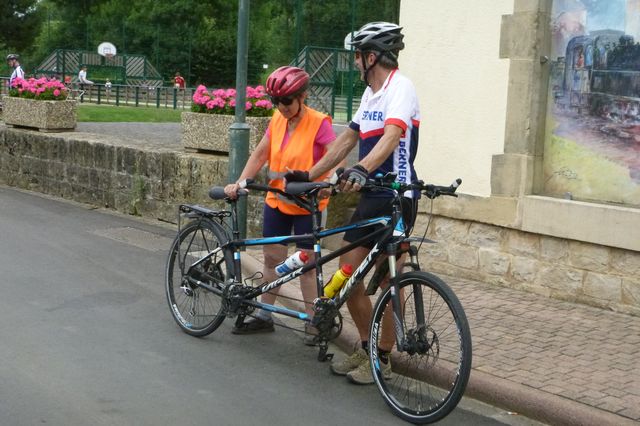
[[600, 74]]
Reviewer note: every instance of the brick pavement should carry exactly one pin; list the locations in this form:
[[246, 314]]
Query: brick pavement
[[559, 349]]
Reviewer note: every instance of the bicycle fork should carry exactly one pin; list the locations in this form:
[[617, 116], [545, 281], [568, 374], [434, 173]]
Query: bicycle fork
[[396, 301]]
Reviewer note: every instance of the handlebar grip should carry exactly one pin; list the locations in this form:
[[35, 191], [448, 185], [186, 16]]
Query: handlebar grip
[[217, 193]]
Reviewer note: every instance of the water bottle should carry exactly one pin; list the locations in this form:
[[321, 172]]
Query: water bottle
[[337, 281], [291, 263]]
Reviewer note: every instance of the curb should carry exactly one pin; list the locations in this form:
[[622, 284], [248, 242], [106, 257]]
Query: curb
[[515, 397]]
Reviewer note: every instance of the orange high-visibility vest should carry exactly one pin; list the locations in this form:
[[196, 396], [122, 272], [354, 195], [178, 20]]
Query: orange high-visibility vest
[[297, 155]]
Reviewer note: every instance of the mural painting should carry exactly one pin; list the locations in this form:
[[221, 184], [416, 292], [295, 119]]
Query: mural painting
[[592, 140]]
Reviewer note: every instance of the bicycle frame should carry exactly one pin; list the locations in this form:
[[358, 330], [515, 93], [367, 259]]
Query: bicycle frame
[[390, 235]]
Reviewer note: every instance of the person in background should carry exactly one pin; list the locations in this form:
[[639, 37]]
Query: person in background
[[178, 81], [14, 63], [297, 137], [82, 76]]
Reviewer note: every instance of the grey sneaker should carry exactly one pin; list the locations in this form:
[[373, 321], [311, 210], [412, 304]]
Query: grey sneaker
[[362, 375], [354, 361]]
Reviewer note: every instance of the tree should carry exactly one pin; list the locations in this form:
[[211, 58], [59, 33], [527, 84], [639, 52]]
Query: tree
[[19, 23], [195, 37]]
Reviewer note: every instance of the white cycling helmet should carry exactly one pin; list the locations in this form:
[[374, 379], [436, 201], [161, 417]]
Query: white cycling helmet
[[380, 36]]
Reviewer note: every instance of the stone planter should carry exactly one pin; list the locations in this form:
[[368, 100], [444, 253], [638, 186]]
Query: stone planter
[[210, 132], [46, 116]]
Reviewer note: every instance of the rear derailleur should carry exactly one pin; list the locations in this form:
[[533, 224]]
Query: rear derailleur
[[328, 321]]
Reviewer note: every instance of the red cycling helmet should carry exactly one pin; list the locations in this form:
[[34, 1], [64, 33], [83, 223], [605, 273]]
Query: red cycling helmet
[[287, 81]]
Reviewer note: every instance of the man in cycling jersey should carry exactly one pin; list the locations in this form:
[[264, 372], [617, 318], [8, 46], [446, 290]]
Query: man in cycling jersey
[[12, 61], [386, 125]]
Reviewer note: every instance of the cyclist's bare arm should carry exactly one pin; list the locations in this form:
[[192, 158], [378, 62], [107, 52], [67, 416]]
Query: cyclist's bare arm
[[337, 152], [255, 162]]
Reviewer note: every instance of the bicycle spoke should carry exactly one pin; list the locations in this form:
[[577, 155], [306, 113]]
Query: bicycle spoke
[[431, 371]]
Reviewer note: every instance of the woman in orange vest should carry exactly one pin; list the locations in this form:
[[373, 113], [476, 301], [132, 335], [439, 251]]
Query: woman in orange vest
[[296, 139]]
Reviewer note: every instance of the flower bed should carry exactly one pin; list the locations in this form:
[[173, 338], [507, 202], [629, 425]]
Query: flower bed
[[39, 104], [223, 101], [206, 128]]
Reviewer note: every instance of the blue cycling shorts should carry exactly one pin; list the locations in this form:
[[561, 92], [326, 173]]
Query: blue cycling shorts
[[277, 224]]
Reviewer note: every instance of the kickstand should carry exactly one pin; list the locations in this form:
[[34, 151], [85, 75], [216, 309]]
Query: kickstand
[[322, 352]]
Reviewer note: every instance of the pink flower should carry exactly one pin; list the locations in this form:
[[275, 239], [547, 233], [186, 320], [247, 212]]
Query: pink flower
[[219, 102], [220, 93], [263, 103], [56, 92]]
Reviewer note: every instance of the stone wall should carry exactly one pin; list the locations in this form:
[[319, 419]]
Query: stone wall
[[141, 178], [565, 269]]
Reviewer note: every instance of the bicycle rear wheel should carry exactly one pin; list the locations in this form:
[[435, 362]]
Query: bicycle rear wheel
[[431, 373], [198, 310]]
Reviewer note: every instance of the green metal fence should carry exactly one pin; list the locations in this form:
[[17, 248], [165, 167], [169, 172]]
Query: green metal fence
[[335, 86], [133, 70], [117, 94]]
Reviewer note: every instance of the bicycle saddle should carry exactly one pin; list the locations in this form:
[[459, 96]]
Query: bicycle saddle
[[302, 188]]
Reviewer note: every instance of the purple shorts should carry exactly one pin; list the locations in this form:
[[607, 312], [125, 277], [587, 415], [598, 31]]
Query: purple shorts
[[277, 224]]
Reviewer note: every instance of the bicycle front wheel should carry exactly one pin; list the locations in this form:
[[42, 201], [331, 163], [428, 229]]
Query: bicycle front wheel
[[431, 371], [198, 310]]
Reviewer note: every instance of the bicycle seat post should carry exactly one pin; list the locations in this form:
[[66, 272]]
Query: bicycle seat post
[[316, 221], [235, 228]]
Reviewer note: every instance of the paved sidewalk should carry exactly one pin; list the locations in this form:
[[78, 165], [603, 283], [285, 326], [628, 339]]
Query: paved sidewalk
[[553, 361]]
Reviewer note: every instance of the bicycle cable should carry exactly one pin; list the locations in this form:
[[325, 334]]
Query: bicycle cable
[[426, 229]]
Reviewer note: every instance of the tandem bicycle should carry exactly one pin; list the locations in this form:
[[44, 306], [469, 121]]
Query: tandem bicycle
[[431, 357]]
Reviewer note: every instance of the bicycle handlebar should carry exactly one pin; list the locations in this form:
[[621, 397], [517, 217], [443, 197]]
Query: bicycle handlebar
[[431, 191], [295, 190]]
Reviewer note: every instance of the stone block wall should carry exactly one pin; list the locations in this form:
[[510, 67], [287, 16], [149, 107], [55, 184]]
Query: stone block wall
[[96, 169], [593, 274]]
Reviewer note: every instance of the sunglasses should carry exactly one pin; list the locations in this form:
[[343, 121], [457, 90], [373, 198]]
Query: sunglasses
[[283, 101]]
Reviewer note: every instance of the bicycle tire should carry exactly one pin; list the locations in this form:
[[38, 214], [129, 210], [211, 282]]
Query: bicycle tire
[[196, 310], [425, 385]]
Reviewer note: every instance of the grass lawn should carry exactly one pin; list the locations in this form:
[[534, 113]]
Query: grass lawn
[[110, 113]]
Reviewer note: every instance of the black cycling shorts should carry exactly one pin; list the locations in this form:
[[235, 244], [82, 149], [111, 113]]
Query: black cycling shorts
[[370, 207]]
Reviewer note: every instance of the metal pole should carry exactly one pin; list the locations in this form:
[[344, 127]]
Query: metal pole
[[350, 73], [298, 12], [239, 131]]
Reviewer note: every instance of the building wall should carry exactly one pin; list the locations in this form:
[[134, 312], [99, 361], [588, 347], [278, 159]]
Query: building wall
[[486, 123], [452, 57]]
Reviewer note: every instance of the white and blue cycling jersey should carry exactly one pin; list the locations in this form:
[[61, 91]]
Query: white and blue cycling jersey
[[17, 73], [395, 103]]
